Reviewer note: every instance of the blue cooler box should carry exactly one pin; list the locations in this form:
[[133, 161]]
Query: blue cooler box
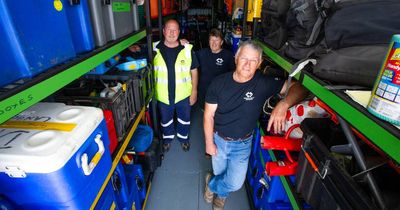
[[53, 156], [35, 36]]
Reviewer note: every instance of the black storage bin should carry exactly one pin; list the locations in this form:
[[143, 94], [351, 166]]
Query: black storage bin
[[86, 92], [143, 83], [332, 187], [152, 157]]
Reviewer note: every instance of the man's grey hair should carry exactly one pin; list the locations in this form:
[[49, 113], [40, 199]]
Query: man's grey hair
[[252, 44]]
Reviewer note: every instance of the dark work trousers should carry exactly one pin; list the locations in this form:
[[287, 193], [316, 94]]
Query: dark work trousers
[[182, 109]]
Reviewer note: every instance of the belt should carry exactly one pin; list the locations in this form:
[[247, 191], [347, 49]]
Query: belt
[[226, 138]]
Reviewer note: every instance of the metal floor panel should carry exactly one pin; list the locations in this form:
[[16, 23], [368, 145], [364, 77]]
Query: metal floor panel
[[179, 183]]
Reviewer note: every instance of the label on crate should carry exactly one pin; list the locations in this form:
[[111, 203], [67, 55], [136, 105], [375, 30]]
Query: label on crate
[[39, 125], [121, 7]]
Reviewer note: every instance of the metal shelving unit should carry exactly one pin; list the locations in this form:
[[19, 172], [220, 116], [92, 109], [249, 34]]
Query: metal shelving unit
[[382, 134], [21, 98]]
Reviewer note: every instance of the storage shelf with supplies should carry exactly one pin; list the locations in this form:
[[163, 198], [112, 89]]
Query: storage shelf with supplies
[[20, 98], [384, 135]]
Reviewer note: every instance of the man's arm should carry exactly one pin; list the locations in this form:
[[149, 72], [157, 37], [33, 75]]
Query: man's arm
[[195, 79], [296, 94], [208, 124]]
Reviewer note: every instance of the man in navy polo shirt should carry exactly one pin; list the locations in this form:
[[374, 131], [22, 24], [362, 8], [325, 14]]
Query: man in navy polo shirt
[[233, 104]]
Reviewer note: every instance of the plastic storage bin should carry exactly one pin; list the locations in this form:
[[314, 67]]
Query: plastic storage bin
[[112, 133], [6, 204], [80, 25], [35, 36], [107, 200], [136, 184], [333, 187], [91, 92], [111, 19], [120, 186], [61, 163], [143, 79]]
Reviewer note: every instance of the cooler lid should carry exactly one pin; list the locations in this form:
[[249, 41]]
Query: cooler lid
[[45, 151]]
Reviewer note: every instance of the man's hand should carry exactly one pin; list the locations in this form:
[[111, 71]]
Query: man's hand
[[211, 149], [184, 41], [193, 98], [278, 117]]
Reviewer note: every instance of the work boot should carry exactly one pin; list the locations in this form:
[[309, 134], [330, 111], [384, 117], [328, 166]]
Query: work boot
[[208, 195], [218, 203], [185, 146], [166, 147]]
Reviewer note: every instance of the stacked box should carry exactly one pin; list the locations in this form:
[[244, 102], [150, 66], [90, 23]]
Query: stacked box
[[91, 92], [80, 25], [111, 19], [136, 184], [107, 200], [36, 36], [333, 187]]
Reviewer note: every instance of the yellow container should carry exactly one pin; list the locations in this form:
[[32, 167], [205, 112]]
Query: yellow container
[[254, 10]]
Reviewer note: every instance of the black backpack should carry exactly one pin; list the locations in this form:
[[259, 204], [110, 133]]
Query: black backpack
[[356, 39], [304, 24], [273, 22]]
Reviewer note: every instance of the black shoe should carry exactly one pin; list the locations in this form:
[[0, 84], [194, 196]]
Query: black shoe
[[185, 146], [166, 147]]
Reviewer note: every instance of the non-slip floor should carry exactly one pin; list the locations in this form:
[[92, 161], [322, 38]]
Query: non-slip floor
[[179, 183]]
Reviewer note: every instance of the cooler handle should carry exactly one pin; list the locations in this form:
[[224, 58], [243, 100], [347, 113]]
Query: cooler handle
[[88, 167]]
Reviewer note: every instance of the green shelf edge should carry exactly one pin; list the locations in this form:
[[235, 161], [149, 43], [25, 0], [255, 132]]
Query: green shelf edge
[[288, 190], [382, 138], [30, 96]]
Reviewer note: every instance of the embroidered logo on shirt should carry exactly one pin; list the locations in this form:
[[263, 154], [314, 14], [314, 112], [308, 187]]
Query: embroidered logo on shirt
[[249, 96], [219, 61]]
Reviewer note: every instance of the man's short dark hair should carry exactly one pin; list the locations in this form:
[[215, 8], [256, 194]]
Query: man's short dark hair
[[217, 33]]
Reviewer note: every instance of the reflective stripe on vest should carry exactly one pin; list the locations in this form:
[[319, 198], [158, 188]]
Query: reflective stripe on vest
[[183, 78]]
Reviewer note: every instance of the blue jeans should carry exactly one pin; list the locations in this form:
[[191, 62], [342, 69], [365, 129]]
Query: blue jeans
[[167, 112], [229, 165]]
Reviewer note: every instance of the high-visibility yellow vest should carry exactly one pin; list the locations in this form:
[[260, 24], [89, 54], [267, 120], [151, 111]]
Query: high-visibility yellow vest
[[183, 78]]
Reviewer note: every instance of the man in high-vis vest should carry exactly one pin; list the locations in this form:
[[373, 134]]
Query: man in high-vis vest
[[176, 77]]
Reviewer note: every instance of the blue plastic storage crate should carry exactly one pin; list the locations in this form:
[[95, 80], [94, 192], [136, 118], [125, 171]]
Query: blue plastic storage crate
[[6, 204], [136, 184], [120, 187], [80, 25], [107, 200], [35, 36], [50, 168]]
